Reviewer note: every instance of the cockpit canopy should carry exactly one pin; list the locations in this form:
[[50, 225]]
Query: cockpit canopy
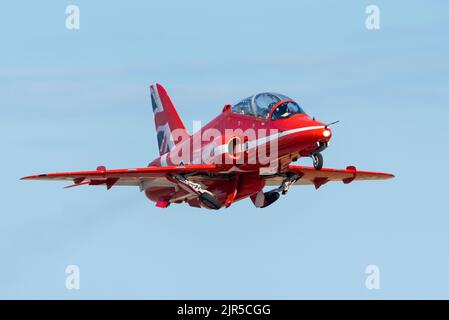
[[260, 105]]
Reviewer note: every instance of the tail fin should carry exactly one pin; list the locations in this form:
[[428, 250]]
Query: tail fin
[[169, 127]]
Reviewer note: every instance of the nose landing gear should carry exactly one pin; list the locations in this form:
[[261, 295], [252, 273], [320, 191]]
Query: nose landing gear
[[317, 160], [317, 157]]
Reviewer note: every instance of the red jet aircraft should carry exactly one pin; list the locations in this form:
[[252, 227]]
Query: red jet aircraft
[[248, 146]]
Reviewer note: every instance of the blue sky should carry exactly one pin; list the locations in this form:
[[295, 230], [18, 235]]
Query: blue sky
[[72, 100]]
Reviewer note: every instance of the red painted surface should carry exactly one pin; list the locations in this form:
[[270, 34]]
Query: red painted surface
[[230, 177]]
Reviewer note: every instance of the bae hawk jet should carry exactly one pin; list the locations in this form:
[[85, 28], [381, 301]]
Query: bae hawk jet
[[249, 147]]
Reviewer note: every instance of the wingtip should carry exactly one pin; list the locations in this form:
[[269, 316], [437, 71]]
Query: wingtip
[[36, 176], [388, 175]]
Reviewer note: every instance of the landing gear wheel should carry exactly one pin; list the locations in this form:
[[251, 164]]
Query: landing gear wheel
[[270, 197], [317, 160], [209, 201]]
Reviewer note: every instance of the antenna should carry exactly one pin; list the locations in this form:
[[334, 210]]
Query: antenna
[[332, 123]]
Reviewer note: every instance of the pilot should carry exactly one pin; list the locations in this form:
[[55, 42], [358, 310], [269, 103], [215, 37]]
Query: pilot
[[281, 112]]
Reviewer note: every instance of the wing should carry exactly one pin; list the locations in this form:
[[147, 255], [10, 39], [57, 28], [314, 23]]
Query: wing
[[131, 177], [310, 175]]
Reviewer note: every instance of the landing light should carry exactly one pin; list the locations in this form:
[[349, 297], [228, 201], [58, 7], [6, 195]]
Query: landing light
[[326, 133]]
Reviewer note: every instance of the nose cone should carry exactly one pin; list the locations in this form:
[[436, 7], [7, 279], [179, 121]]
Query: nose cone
[[323, 133], [327, 134], [303, 134]]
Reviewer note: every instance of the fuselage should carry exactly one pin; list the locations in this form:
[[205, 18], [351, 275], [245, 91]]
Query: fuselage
[[248, 143]]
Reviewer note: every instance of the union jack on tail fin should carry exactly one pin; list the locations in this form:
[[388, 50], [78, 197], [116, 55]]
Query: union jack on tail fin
[[169, 127]]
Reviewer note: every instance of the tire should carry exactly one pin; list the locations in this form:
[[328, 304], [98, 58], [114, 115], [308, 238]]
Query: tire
[[209, 201], [270, 197], [317, 161]]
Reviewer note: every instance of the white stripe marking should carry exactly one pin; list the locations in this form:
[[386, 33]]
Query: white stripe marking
[[258, 142], [157, 99], [164, 160]]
